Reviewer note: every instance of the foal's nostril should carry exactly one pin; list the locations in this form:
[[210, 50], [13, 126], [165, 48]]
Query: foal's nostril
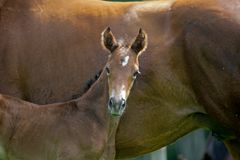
[[110, 102], [123, 103], [116, 107]]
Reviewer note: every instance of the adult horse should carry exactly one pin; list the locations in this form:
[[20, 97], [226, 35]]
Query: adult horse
[[190, 78]]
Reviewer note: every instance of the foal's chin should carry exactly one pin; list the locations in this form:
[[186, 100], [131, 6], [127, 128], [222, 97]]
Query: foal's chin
[[115, 113]]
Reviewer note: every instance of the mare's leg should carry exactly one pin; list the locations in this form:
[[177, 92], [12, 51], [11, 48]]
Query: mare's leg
[[219, 131], [222, 133], [234, 148]]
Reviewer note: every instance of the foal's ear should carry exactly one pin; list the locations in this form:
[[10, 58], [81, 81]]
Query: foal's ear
[[140, 43], [108, 40]]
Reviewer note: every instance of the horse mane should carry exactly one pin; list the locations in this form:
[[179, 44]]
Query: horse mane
[[88, 85]]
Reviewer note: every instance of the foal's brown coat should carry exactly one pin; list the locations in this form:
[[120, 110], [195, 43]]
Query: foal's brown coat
[[77, 130]]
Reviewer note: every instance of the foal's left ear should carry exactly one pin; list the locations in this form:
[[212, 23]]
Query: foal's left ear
[[108, 40], [140, 43]]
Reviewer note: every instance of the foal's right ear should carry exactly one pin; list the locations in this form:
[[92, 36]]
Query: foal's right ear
[[108, 40], [140, 43]]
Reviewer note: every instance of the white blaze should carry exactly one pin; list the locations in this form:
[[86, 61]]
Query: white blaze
[[123, 92], [124, 61], [119, 94], [113, 93]]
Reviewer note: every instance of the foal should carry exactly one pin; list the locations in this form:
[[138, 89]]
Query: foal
[[80, 129]]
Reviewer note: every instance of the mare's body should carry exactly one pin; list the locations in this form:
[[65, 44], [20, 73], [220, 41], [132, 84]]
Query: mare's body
[[190, 77]]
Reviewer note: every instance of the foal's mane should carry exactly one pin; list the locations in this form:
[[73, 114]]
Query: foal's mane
[[88, 84]]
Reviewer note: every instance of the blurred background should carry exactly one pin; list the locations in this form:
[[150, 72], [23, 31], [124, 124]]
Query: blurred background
[[198, 145]]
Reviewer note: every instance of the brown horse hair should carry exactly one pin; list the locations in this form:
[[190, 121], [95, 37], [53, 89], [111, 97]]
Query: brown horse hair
[[88, 85]]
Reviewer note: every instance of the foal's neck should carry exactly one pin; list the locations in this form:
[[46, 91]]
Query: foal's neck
[[97, 99], [110, 149], [113, 125]]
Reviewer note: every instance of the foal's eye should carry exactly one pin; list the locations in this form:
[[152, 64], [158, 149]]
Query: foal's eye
[[135, 74], [108, 70]]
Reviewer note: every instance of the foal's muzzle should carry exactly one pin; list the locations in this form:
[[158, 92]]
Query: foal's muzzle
[[116, 107]]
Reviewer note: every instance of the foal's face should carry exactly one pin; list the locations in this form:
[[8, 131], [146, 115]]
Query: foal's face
[[122, 68]]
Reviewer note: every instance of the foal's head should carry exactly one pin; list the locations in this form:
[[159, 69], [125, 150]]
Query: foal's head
[[122, 68]]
